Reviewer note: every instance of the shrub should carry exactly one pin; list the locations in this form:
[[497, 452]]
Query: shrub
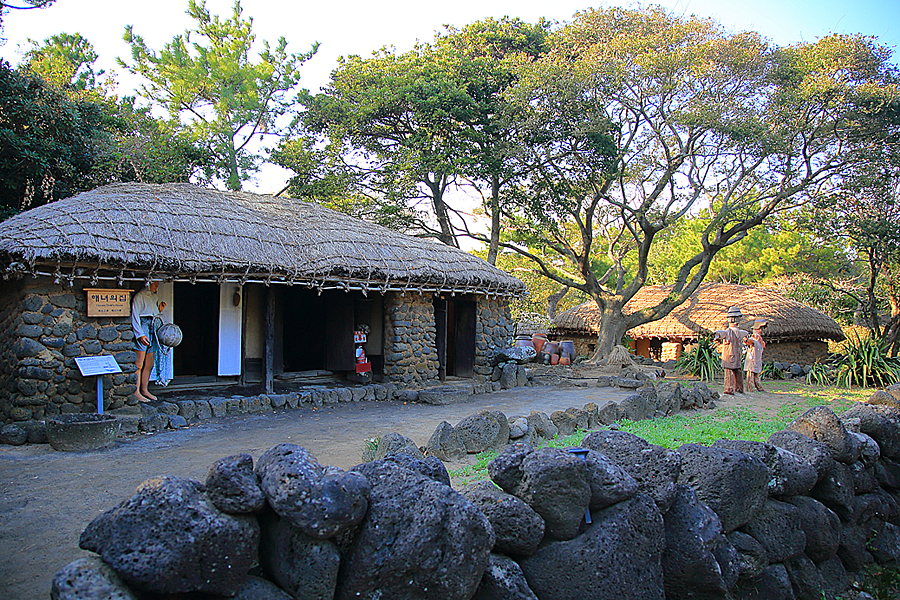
[[702, 360], [865, 362]]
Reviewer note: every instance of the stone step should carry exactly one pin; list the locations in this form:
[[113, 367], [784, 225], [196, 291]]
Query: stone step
[[446, 394]]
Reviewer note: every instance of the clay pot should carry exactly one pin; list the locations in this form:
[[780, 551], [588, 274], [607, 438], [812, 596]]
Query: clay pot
[[523, 341], [567, 348], [554, 359], [539, 339], [551, 348], [565, 360]]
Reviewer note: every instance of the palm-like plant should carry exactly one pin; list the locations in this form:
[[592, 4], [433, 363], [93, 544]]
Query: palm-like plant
[[702, 360]]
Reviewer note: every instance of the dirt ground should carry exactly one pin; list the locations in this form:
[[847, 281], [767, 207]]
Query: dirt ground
[[48, 497]]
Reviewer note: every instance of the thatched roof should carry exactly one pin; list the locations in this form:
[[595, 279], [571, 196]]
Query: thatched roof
[[185, 231], [704, 312]]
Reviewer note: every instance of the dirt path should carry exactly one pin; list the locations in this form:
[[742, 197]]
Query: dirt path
[[47, 497]]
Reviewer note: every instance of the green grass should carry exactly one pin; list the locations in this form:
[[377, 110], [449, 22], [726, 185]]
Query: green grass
[[734, 423]]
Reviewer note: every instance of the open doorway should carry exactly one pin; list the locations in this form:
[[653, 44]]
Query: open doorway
[[196, 311], [455, 329]]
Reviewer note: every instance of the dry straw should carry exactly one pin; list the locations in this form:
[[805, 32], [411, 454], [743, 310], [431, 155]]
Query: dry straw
[[183, 231], [704, 312]]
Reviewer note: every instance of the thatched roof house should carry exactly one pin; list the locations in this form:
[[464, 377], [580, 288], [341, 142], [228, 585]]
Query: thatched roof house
[[262, 287], [794, 331], [137, 230]]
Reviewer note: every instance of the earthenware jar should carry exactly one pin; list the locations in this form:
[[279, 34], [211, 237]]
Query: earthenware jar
[[523, 341], [538, 340], [554, 359], [551, 348], [567, 348]]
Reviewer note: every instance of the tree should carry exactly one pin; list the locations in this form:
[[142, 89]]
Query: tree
[[46, 141], [413, 126], [640, 117], [206, 81], [66, 61]]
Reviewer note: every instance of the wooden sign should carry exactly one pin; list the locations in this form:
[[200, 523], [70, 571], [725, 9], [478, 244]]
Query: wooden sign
[[97, 365], [108, 303]]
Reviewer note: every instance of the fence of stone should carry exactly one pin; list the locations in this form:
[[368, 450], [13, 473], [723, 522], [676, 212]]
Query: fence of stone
[[795, 517]]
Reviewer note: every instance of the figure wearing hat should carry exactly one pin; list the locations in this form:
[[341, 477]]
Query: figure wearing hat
[[732, 339], [753, 362]]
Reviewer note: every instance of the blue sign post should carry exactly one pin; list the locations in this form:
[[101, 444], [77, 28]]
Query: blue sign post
[[98, 366]]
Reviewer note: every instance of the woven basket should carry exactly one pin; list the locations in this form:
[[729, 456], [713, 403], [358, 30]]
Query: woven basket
[[169, 334]]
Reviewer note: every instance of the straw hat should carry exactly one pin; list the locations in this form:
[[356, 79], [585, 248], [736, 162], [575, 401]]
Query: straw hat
[[759, 323], [734, 312]]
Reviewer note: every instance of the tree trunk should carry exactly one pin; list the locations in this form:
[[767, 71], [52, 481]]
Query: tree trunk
[[494, 247], [612, 330], [440, 211]]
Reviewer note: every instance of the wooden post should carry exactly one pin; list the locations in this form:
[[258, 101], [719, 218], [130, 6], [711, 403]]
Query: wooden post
[[270, 341]]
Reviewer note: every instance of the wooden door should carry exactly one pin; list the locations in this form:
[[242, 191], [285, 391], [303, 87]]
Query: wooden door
[[340, 353], [464, 338]]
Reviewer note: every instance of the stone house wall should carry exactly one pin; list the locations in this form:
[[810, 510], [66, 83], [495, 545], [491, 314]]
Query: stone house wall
[[43, 327], [802, 353], [494, 329], [410, 354]]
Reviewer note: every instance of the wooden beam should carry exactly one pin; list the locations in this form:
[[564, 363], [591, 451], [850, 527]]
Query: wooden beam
[[270, 340]]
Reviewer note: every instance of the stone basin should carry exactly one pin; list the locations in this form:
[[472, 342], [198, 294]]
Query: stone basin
[[81, 431]]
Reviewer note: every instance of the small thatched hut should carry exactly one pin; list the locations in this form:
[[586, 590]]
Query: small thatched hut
[[795, 332], [261, 287]]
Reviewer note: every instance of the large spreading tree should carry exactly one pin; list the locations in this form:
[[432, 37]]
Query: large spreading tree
[[406, 129], [640, 118], [210, 85]]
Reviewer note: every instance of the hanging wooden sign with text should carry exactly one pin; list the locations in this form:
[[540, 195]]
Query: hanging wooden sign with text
[[108, 303]]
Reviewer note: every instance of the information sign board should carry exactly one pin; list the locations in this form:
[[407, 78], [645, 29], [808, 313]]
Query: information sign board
[[97, 365], [108, 303]]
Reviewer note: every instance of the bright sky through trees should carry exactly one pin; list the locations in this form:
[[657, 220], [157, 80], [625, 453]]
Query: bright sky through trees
[[359, 27]]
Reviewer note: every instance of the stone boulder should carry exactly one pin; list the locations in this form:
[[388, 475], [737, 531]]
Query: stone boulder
[[168, 538], [542, 424], [885, 546], [601, 564], [853, 550], [503, 579], [885, 398], [821, 424], [320, 502], [518, 529], [733, 484], [751, 556], [609, 482], [654, 468], [551, 481], [88, 578], [517, 354], [300, 565], [257, 588], [233, 486], [13, 435], [809, 450], [820, 525], [580, 417], [836, 489], [636, 407], [564, 422], [776, 525], [445, 444], [518, 428], [772, 584], [420, 540], [881, 422], [593, 415], [693, 535], [789, 474], [430, 466], [395, 443], [668, 397], [610, 413], [483, 430], [806, 581]]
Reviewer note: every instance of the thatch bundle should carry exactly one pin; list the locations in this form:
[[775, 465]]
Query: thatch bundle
[[185, 231], [704, 312]]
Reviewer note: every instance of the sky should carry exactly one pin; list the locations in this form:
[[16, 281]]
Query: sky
[[355, 27]]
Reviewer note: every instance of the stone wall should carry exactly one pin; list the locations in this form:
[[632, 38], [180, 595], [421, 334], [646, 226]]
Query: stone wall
[[43, 327], [494, 330], [803, 353], [410, 339]]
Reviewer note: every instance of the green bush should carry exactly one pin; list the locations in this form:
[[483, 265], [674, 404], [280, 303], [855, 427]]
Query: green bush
[[821, 374], [771, 372], [702, 360], [865, 362]]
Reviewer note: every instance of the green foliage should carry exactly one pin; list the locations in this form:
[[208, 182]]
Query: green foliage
[[47, 141], [821, 374], [882, 582], [865, 362], [702, 360], [370, 447], [771, 372], [206, 81]]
